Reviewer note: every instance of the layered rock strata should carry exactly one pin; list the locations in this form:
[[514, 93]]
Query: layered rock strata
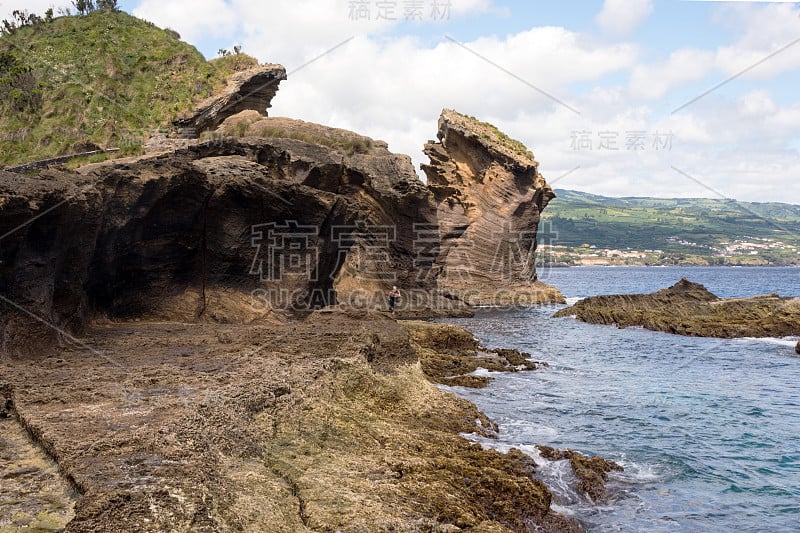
[[225, 230], [489, 196]]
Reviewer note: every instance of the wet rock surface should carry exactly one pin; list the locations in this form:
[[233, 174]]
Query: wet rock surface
[[324, 423], [449, 355], [688, 308], [591, 472]]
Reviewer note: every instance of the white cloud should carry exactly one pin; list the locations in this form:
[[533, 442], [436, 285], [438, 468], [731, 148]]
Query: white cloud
[[395, 90], [621, 17], [193, 19], [288, 31], [655, 81], [38, 7], [766, 29]]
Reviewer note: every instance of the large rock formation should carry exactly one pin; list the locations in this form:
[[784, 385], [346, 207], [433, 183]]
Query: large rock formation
[[489, 195], [271, 214], [688, 308], [225, 229], [252, 89]]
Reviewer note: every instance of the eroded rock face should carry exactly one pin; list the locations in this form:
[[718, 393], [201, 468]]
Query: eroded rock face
[[251, 89], [271, 214], [688, 308], [228, 230], [489, 196]]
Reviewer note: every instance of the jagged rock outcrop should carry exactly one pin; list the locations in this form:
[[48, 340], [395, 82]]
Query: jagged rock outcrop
[[688, 308], [450, 355], [252, 89], [227, 230], [268, 215], [489, 196]]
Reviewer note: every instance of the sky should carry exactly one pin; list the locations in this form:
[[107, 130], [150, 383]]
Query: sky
[[663, 98]]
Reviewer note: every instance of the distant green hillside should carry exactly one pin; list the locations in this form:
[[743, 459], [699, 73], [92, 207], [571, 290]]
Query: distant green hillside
[[578, 218], [104, 78]]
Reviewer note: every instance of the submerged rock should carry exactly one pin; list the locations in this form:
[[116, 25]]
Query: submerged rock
[[592, 472], [688, 308]]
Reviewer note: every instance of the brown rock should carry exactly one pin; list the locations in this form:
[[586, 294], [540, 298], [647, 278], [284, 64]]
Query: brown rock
[[797, 348], [185, 235], [288, 425], [449, 354], [690, 309], [6, 402], [489, 196], [592, 473], [250, 89]]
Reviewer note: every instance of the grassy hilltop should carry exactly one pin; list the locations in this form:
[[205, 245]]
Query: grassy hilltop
[[103, 78], [694, 230]]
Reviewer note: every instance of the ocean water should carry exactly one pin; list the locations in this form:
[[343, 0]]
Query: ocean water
[[708, 430]]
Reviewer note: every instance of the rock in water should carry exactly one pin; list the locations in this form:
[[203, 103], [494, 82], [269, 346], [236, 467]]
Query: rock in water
[[797, 347], [489, 196], [688, 308]]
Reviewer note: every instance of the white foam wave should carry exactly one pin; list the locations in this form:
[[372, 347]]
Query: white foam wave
[[560, 509], [782, 341], [637, 472], [573, 300]]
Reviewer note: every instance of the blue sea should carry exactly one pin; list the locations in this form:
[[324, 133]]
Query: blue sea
[[708, 430]]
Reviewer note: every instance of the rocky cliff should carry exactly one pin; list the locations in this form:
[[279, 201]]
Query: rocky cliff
[[228, 230], [163, 352], [489, 196], [268, 215]]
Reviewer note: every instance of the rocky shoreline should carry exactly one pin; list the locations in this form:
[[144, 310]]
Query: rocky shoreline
[[688, 308], [195, 338], [320, 424]]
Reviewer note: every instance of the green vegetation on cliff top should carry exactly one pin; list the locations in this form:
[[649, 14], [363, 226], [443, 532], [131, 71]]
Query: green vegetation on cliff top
[[104, 78], [492, 133]]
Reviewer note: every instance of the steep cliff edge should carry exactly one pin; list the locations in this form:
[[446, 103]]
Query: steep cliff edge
[[270, 215], [489, 196]]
